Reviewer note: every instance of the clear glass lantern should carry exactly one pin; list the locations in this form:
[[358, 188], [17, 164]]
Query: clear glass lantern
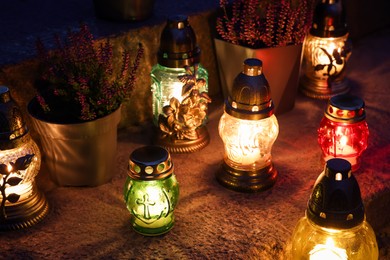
[[180, 87], [334, 226], [326, 50], [343, 131], [21, 204], [248, 129], [151, 190]]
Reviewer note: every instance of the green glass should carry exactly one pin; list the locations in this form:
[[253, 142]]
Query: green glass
[[151, 204], [166, 85]]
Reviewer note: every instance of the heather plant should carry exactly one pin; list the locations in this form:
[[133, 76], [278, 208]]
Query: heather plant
[[264, 23], [79, 81]]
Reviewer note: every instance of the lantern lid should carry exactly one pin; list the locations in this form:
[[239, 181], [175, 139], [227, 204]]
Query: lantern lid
[[250, 97], [150, 163], [329, 19], [13, 129], [336, 201], [178, 46], [345, 108]]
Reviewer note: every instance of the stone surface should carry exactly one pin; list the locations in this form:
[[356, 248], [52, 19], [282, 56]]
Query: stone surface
[[211, 221]]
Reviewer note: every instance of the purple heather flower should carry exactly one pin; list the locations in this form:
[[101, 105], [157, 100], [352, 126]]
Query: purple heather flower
[[258, 23], [43, 103], [81, 71]]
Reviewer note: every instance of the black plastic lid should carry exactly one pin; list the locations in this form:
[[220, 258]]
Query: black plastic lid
[[336, 201], [178, 47], [250, 96], [329, 19]]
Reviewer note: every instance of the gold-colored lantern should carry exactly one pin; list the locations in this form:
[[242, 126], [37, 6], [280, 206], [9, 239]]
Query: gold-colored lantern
[[21, 203], [248, 129], [326, 50]]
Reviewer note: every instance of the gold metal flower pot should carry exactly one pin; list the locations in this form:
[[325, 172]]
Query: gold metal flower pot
[[81, 154]]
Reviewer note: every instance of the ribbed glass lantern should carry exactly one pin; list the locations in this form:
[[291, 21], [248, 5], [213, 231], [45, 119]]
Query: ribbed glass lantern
[[248, 128], [151, 190], [326, 50], [180, 86], [21, 203], [334, 226], [343, 131]]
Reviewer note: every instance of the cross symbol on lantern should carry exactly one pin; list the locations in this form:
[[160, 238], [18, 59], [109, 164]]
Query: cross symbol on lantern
[[146, 203]]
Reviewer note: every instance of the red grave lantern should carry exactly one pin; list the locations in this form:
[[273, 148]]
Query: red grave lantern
[[343, 131]]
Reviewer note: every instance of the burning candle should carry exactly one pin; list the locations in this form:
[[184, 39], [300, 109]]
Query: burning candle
[[326, 50], [21, 203], [343, 131], [248, 128], [151, 191], [334, 226]]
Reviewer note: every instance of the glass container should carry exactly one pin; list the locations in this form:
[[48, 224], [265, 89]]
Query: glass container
[[334, 226], [343, 131], [21, 204], [151, 190], [180, 87], [326, 50], [248, 129]]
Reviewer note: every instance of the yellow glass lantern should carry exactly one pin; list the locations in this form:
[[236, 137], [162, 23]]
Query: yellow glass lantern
[[326, 50], [248, 128], [334, 226], [21, 204]]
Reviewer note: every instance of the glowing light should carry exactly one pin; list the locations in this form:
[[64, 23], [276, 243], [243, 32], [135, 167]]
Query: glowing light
[[328, 251], [248, 129], [21, 204], [325, 52], [248, 143], [323, 58], [151, 191], [329, 232], [343, 133]]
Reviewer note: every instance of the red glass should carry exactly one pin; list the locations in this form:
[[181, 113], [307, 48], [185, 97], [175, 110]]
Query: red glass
[[343, 140]]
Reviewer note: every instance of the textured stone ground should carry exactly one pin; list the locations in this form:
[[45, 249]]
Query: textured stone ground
[[211, 221]]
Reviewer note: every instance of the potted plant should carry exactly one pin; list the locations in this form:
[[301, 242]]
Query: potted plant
[[77, 107], [270, 30]]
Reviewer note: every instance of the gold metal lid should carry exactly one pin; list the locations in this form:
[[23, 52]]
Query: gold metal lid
[[150, 163], [345, 108]]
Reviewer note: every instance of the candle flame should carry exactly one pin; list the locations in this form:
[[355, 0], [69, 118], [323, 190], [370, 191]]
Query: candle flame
[[328, 251], [343, 141]]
